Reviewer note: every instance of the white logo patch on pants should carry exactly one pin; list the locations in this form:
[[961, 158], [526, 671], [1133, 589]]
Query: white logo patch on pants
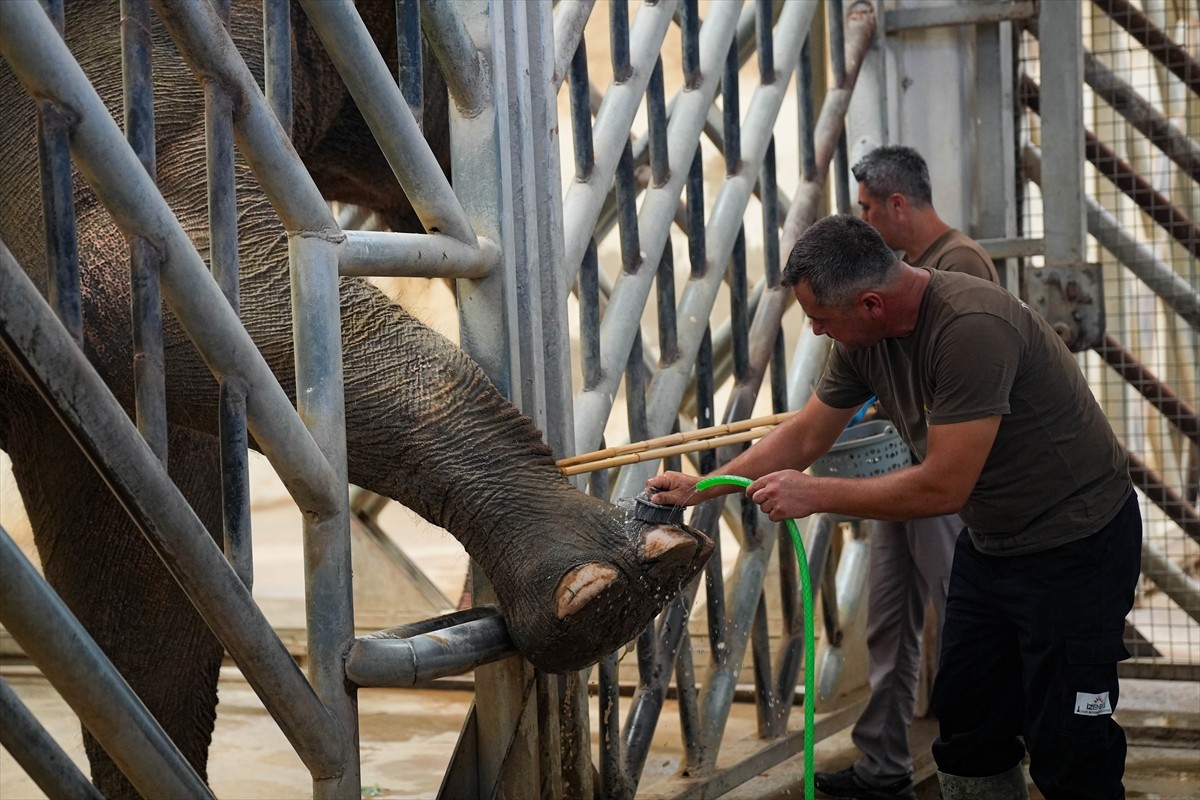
[[1090, 704]]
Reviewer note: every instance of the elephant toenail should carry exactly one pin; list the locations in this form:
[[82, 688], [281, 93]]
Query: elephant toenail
[[581, 585]]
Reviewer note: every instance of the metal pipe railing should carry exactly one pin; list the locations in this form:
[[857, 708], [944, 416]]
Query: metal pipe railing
[[149, 367], [382, 104], [36, 751], [1157, 205], [1174, 57], [77, 668], [43, 64], [58, 201], [412, 655], [610, 134], [1169, 286], [95, 419], [223, 255]]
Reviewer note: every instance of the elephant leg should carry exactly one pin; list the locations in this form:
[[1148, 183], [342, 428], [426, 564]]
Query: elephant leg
[[106, 572]]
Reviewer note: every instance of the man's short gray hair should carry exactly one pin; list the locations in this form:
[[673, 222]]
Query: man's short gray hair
[[895, 170], [838, 257]]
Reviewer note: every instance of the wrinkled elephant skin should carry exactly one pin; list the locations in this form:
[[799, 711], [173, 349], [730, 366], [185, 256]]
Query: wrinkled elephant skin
[[576, 577]]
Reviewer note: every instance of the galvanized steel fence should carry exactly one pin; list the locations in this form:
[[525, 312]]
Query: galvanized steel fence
[[645, 284]]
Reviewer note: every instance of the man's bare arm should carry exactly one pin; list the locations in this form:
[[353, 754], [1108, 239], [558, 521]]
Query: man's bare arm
[[793, 444], [941, 484]]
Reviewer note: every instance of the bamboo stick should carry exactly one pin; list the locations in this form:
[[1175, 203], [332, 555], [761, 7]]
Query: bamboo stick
[[673, 439], [597, 464]]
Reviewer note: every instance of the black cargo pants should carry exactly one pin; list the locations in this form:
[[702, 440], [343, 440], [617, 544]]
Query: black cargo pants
[[1030, 648]]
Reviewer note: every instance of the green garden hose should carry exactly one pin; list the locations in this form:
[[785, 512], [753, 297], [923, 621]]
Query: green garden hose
[[810, 658]]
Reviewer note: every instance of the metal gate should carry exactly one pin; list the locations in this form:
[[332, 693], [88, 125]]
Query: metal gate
[[637, 297]]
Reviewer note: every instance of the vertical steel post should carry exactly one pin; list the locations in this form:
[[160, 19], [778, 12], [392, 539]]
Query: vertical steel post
[[320, 401], [223, 257], [58, 202], [1065, 211]]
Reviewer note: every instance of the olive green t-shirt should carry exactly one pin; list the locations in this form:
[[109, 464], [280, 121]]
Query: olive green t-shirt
[[954, 251], [1056, 472]]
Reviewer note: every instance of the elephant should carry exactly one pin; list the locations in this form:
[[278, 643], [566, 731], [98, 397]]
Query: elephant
[[575, 576]]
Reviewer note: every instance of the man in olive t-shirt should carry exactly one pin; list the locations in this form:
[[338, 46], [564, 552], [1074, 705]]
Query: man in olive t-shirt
[[1004, 431], [910, 559]]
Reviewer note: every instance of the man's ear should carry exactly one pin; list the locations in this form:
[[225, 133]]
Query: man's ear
[[897, 203], [871, 302]]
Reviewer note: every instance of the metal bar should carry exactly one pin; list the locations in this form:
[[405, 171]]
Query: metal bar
[[277, 58], [614, 780], [627, 213], [74, 664], [41, 61], [409, 66], [837, 57], [1176, 584], [58, 201], [328, 578], [382, 661], [353, 52], [149, 372], [467, 74], [415, 255], [651, 691], [1174, 57], [581, 115], [766, 700], [210, 52], [1064, 216], [36, 751], [1178, 411], [1170, 287], [235, 479], [618, 39], [689, 714], [697, 249], [1170, 501], [669, 383], [745, 587], [570, 17], [1143, 116], [977, 12], [97, 422], [658, 209], [1121, 173], [223, 248], [610, 133], [656, 113], [589, 317]]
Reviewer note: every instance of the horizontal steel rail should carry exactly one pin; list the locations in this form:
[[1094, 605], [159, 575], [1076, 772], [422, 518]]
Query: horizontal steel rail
[[412, 655], [415, 255], [75, 665], [95, 419], [42, 62]]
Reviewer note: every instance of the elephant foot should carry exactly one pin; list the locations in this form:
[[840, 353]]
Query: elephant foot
[[597, 606]]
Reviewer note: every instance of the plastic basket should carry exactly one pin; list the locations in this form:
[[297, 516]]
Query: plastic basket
[[871, 448]]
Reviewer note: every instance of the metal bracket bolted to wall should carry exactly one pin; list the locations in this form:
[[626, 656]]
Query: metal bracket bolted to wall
[[1071, 299]]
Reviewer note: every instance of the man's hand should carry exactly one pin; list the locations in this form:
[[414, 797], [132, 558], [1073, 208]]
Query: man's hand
[[787, 494], [675, 489]]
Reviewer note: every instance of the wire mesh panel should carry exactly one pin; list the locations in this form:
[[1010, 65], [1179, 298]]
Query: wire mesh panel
[[1142, 178]]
